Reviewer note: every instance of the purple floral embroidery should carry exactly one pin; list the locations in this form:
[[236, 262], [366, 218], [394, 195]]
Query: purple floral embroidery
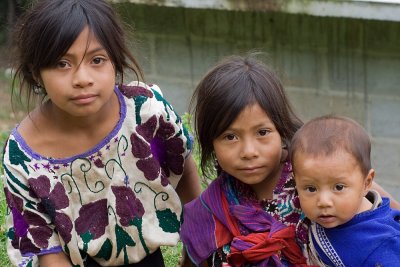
[[160, 151], [132, 91], [93, 219], [128, 207], [52, 202], [99, 163], [26, 222]]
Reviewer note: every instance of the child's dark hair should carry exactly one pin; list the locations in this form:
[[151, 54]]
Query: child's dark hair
[[46, 32], [233, 84], [326, 135]]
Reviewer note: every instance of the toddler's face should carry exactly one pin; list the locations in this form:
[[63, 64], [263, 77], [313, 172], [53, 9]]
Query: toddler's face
[[251, 150], [331, 188]]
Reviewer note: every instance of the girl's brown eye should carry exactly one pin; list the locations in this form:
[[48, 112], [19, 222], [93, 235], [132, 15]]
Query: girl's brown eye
[[61, 64], [230, 137], [263, 132], [98, 60]]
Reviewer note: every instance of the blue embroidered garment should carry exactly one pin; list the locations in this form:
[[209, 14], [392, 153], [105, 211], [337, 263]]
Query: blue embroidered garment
[[371, 238]]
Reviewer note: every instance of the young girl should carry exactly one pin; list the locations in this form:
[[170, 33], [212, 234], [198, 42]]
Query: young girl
[[250, 215], [244, 123], [91, 173]]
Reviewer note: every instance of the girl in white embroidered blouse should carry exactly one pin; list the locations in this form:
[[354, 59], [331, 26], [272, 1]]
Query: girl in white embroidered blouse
[[95, 174]]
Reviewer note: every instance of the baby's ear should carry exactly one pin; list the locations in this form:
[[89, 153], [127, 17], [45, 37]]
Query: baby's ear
[[368, 180]]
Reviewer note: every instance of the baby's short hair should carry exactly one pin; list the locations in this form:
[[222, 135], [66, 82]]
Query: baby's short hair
[[328, 134]]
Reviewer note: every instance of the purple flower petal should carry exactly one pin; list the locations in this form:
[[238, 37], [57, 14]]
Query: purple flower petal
[[64, 226], [41, 235], [132, 91], [150, 167], [34, 219], [40, 186], [93, 218], [26, 246], [58, 197], [20, 225], [140, 149], [165, 130], [147, 129], [128, 207]]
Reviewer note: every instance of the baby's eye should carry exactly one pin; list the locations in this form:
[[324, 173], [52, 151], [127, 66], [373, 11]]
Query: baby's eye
[[339, 187]]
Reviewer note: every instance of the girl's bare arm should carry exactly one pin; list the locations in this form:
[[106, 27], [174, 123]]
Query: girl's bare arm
[[54, 260], [189, 186]]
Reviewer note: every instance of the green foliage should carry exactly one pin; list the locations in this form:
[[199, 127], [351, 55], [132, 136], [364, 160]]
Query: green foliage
[[3, 210], [196, 153], [172, 255]]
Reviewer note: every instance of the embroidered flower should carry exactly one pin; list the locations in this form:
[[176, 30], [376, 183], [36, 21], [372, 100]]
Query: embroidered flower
[[160, 151], [26, 222], [52, 202], [128, 207], [134, 91], [92, 220]]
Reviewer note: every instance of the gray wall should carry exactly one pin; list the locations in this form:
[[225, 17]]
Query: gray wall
[[328, 65]]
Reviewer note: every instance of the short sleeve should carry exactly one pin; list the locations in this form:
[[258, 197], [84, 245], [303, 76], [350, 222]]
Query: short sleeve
[[159, 139], [174, 117], [30, 228]]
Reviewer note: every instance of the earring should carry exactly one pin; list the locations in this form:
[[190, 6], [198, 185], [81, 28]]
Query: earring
[[285, 152], [118, 78], [39, 89]]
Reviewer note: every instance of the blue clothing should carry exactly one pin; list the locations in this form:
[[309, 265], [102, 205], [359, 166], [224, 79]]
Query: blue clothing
[[371, 238]]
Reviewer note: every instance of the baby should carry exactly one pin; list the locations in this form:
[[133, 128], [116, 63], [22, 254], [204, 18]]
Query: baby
[[351, 224]]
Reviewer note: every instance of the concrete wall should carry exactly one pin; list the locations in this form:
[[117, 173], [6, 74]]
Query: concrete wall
[[336, 65]]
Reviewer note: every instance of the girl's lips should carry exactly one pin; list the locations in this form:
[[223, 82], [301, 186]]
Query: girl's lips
[[84, 99], [250, 169]]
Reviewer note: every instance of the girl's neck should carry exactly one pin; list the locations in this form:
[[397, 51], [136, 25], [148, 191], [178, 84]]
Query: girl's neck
[[51, 132], [265, 189]]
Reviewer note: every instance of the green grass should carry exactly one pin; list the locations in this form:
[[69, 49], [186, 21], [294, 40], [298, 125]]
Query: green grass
[[4, 261]]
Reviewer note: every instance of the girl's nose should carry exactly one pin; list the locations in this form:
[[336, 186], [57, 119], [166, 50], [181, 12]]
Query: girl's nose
[[248, 150], [82, 77]]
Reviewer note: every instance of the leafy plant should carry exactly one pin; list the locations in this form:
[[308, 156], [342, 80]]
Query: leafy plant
[[196, 153]]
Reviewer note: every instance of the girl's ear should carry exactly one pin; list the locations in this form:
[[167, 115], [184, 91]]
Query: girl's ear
[[368, 180], [285, 152]]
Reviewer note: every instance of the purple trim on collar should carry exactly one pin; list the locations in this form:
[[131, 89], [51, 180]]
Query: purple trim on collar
[[86, 154], [52, 250]]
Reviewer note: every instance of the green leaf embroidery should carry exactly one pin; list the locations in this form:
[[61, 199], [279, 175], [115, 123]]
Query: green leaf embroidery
[[123, 239], [168, 221], [17, 157], [86, 238], [11, 233], [139, 100], [138, 223], [160, 98], [105, 250]]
